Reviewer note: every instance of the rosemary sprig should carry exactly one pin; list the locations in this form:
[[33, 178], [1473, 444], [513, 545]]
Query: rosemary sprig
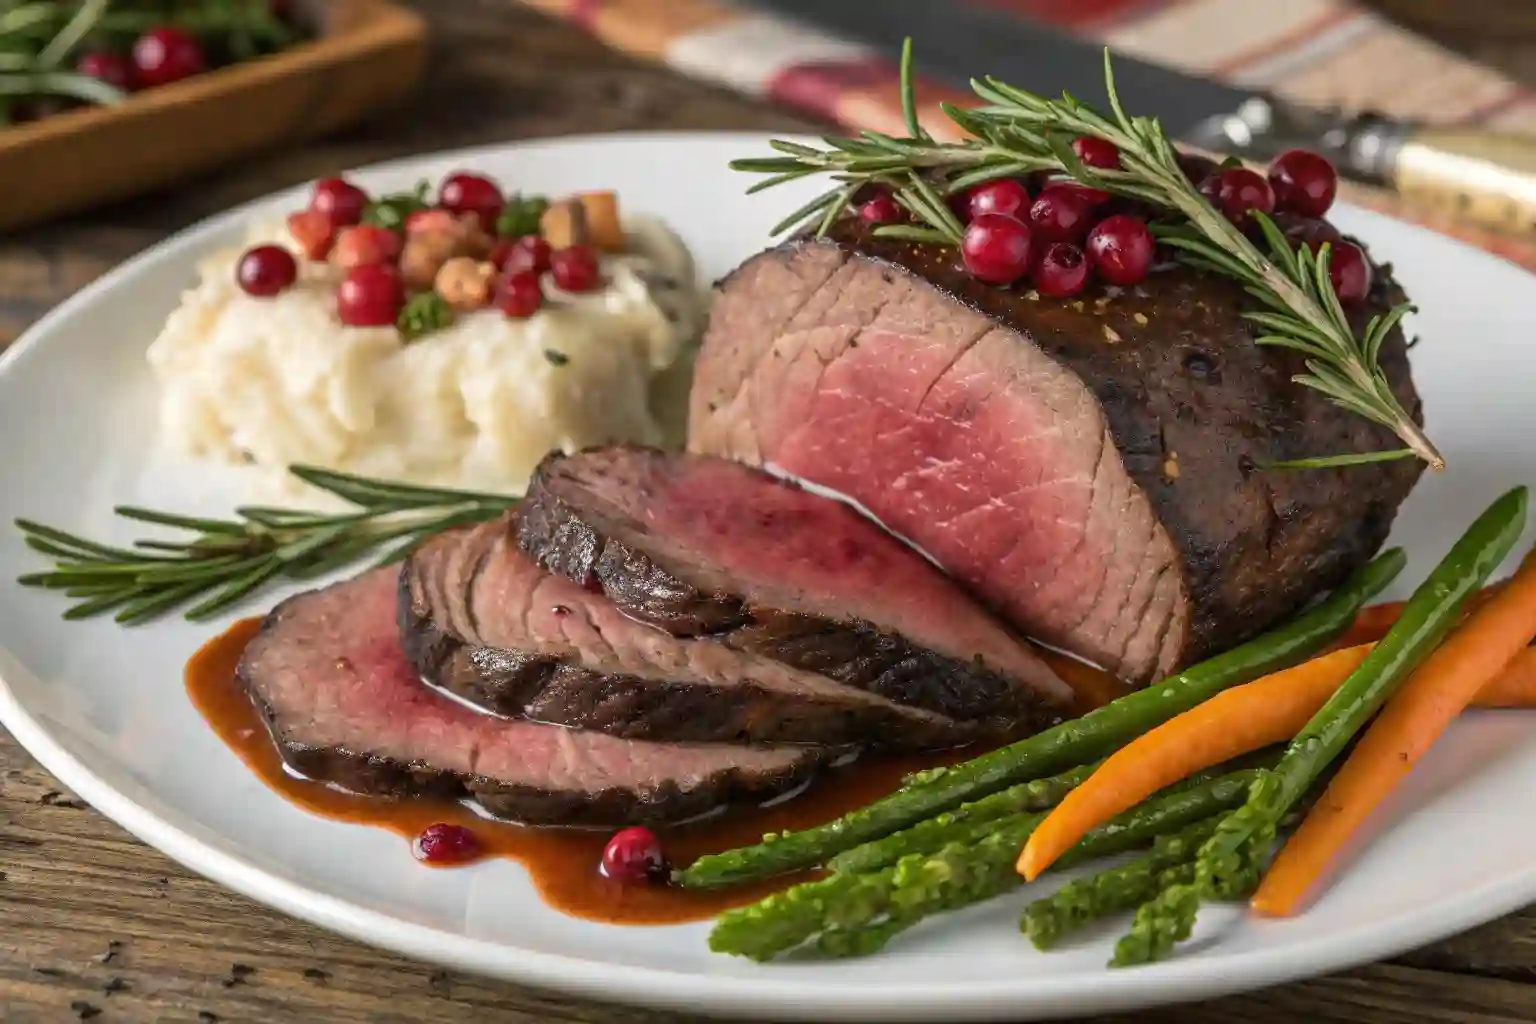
[[40, 38], [224, 560], [1017, 132]]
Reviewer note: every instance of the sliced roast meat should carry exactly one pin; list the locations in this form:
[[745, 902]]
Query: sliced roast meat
[[1094, 467], [346, 707], [481, 620], [706, 546]]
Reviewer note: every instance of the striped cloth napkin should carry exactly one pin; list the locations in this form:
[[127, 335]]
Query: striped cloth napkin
[[1317, 52]]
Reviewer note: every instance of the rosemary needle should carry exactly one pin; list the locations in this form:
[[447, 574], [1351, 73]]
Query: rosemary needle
[[222, 561], [1017, 132]]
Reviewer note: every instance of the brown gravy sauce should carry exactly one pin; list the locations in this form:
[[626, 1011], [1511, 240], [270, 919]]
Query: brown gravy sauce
[[561, 862]]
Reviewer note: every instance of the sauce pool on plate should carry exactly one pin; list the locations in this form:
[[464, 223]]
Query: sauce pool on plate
[[562, 863]]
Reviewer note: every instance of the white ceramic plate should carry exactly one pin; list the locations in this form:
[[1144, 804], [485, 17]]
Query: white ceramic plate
[[103, 708]]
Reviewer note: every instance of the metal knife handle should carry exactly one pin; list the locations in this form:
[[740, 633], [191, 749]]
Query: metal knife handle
[[1482, 177]]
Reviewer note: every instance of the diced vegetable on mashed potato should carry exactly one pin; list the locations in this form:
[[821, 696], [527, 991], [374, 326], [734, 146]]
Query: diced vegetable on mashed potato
[[276, 381]]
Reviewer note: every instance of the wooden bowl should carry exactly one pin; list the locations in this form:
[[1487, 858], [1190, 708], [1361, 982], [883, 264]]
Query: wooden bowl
[[367, 54]]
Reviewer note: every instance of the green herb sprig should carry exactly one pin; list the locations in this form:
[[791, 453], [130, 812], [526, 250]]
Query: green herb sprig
[[224, 560], [423, 314], [39, 39], [391, 211], [521, 216], [1017, 132]]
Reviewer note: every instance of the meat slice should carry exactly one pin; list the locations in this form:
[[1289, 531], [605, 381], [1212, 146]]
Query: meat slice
[[704, 546], [1093, 467], [346, 707], [481, 620]]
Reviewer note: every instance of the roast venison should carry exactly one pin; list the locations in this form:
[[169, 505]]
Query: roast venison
[[1098, 468], [481, 620], [704, 546], [345, 706]]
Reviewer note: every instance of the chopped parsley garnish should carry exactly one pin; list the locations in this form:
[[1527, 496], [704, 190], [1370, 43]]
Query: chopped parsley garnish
[[390, 211], [521, 216], [423, 314]]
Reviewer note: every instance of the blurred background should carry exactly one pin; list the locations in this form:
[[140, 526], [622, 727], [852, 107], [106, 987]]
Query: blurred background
[[461, 72]]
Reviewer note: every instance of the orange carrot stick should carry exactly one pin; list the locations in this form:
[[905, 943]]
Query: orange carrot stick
[[1222, 728], [1437, 691], [1514, 686], [1373, 621], [1234, 722], [1371, 624]]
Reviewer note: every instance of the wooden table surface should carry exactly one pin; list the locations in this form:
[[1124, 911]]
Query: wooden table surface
[[96, 926]]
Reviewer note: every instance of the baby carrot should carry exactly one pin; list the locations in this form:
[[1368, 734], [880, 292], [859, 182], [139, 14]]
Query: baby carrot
[[1471, 657], [1243, 719], [1514, 686]]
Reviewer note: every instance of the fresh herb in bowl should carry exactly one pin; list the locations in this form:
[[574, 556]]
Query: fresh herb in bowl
[[55, 55]]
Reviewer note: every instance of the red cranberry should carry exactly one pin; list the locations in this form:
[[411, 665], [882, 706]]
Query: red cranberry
[[996, 248], [575, 268], [1093, 196], [362, 244], [1306, 231], [1006, 196], [314, 231], [370, 296], [1350, 271], [341, 200], [1060, 215], [266, 270], [519, 295], [112, 68], [444, 844], [166, 54], [633, 856], [529, 254], [1197, 168], [1096, 152], [1303, 182], [881, 210], [1063, 271], [1121, 249], [472, 193], [1239, 191], [499, 254]]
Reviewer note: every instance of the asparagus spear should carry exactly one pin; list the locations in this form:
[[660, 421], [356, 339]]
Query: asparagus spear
[[1171, 861], [858, 913], [1226, 860], [1076, 742], [930, 835]]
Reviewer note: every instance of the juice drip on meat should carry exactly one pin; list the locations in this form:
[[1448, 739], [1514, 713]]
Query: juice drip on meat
[[561, 862]]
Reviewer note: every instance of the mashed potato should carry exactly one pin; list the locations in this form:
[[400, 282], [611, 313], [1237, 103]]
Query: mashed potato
[[274, 381]]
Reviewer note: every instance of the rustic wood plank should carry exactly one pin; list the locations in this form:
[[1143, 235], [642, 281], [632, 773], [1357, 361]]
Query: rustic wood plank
[[91, 920]]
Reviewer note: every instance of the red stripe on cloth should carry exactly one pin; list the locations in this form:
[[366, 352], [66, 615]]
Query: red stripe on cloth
[[1495, 107], [817, 87], [584, 13], [1296, 37], [1077, 15]]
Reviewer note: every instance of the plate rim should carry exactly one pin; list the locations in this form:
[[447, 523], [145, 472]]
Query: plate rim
[[1172, 981]]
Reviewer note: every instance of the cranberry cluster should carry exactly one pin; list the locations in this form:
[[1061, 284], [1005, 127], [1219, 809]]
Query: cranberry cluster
[[1297, 192], [450, 246], [1064, 233], [159, 56]]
